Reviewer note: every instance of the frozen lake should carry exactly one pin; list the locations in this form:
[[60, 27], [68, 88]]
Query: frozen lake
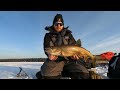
[[9, 70]]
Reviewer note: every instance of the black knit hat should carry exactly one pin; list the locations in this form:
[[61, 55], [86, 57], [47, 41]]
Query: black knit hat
[[58, 16]]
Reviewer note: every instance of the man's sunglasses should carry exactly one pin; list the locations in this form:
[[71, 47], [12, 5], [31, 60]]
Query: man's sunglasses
[[57, 23]]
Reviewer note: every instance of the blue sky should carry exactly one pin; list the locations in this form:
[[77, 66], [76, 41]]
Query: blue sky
[[22, 32]]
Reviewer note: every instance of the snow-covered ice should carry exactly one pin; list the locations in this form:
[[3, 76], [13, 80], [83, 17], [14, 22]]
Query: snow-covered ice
[[9, 70]]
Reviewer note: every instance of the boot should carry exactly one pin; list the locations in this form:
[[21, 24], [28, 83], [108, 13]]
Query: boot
[[38, 75]]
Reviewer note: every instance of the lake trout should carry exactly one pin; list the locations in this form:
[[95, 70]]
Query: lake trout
[[69, 50]]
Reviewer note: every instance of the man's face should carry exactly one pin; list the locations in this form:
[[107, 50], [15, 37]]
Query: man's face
[[58, 26]]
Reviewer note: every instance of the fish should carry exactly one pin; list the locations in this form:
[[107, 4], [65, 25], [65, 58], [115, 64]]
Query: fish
[[69, 50]]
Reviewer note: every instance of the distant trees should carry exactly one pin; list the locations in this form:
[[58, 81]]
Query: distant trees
[[24, 60]]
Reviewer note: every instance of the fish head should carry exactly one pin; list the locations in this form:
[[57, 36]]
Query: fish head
[[53, 50]]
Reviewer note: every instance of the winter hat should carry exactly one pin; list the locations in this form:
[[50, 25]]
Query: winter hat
[[58, 16]]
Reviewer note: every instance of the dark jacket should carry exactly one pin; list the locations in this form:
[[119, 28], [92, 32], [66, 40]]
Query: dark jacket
[[54, 38], [114, 67]]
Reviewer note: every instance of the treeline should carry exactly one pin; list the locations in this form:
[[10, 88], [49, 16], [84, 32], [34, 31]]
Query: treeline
[[24, 60]]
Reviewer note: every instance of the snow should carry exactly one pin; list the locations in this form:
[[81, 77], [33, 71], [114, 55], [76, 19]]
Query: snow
[[9, 70], [102, 71]]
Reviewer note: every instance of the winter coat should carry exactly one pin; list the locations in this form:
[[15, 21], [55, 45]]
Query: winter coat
[[54, 38]]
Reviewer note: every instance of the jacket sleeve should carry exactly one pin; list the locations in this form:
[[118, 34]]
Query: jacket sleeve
[[72, 40], [46, 42]]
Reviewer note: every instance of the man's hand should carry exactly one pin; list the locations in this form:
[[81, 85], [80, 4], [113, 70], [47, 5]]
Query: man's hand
[[75, 57], [52, 57]]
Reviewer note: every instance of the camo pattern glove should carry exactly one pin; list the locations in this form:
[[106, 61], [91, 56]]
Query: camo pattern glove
[[94, 74]]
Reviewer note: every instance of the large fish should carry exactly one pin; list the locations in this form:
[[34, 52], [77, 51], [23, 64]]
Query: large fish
[[69, 50]]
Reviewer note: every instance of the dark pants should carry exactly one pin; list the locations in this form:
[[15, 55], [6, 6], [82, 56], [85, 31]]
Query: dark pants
[[70, 68]]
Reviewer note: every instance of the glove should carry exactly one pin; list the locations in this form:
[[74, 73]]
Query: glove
[[94, 75]]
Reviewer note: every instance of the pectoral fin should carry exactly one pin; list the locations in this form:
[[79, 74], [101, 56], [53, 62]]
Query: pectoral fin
[[62, 53]]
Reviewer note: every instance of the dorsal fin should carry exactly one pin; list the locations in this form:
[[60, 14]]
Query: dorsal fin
[[78, 42]]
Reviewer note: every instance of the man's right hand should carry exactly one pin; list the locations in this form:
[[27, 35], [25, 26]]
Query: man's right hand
[[52, 57]]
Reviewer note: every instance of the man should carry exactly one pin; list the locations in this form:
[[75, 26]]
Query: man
[[55, 67]]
